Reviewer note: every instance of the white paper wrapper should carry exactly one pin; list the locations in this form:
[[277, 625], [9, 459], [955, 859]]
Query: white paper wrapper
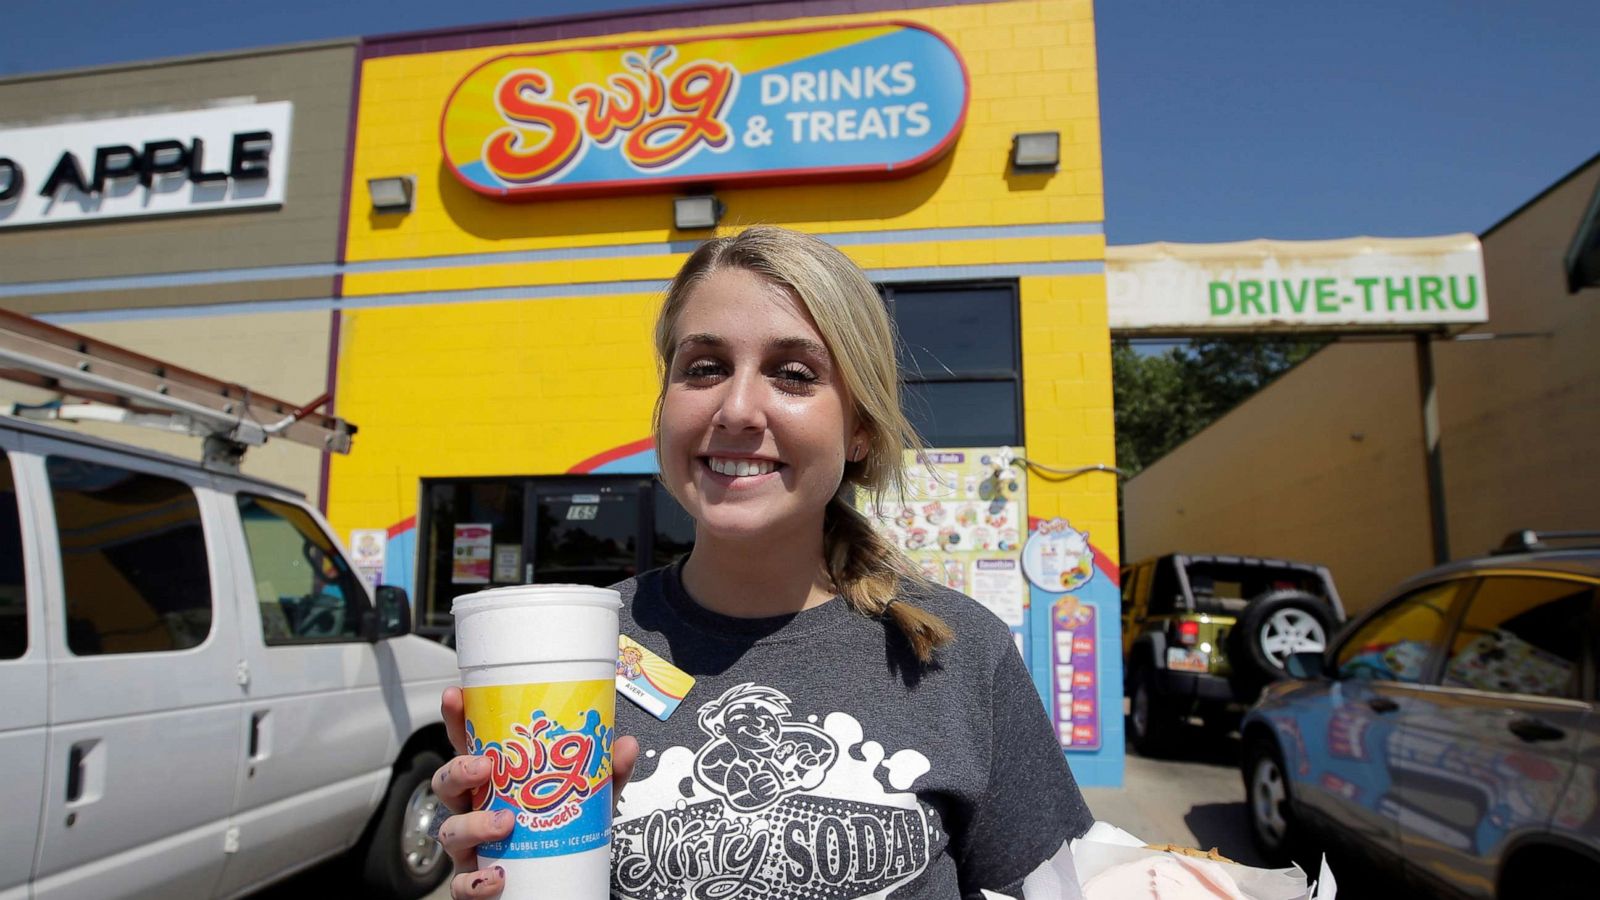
[[1107, 845]]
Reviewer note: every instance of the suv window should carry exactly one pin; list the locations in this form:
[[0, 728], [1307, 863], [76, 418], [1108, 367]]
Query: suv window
[[1397, 644], [1227, 588], [305, 590], [1165, 590], [1521, 636], [13, 589], [133, 559]]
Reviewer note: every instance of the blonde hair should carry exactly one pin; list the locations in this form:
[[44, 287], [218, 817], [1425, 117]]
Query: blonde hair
[[866, 568]]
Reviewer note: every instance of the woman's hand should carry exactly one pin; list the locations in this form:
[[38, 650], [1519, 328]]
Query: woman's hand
[[456, 782]]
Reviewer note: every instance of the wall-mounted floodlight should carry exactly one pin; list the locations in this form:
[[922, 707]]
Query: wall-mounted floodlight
[[698, 212], [392, 195], [1036, 151]]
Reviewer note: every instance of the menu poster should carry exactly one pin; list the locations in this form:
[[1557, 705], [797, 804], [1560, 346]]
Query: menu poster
[[368, 547], [1076, 676], [471, 553], [960, 521], [508, 563]]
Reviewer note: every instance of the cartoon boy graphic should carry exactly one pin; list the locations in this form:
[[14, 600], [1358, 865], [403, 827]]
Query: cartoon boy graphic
[[758, 755], [630, 663]]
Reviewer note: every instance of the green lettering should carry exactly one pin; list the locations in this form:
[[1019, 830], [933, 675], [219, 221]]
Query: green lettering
[[1272, 291], [1430, 287], [1390, 292], [1366, 285], [1221, 298], [1327, 300], [1472, 293], [1250, 295], [1297, 303]]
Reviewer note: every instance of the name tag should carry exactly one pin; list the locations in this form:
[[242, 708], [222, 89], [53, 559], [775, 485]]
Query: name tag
[[657, 686]]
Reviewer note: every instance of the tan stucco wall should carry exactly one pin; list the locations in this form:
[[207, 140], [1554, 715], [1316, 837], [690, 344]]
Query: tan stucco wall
[[317, 79], [1286, 475], [286, 350]]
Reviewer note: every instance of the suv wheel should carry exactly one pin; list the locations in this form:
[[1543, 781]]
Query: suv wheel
[[1152, 721], [398, 859], [1266, 787], [1277, 625]]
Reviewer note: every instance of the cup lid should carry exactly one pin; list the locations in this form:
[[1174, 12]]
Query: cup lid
[[536, 594]]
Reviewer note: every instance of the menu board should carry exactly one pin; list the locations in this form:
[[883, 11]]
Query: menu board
[[470, 555], [1072, 654], [961, 520]]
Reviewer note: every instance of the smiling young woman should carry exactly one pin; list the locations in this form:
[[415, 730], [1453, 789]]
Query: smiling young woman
[[853, 731]]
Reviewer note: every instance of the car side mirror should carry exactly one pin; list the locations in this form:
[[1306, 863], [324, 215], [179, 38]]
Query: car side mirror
[[394, 611], [1308, 666]]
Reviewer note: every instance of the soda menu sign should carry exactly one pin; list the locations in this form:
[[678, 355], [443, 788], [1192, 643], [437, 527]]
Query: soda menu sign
[[828, 103], [226, 157], [1356, 283]]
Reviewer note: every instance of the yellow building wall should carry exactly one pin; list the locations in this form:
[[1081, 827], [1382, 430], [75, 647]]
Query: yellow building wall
[[535, 385]]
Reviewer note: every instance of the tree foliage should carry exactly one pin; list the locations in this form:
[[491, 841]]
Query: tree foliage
[[1163, 399]]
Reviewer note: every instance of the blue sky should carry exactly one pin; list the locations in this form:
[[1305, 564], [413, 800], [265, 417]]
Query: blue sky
[[1223, 119]]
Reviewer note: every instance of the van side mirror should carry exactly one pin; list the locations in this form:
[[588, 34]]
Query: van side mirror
[[394, 611], [1306, 666]]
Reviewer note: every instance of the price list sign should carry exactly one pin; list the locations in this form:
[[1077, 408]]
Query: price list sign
[[1073, 655]]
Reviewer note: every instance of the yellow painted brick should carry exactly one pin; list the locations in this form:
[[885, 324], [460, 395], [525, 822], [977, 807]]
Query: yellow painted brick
[[1066, 106], [1020, 59], [1081, 33], [1038, 34], [977, 40], [1045, 85], [1017, 109], [1083, 81], [1017, 13], [1088, 182]]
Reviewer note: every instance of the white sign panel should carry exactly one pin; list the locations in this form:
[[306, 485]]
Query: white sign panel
[[228, 157], [1288, 285]]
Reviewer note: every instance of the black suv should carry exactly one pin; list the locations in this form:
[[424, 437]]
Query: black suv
[[1203, 634]]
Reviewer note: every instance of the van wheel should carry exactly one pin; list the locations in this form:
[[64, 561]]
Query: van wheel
[[398, 859]]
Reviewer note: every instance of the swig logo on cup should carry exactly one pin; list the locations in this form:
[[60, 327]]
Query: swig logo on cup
[[550, 746]]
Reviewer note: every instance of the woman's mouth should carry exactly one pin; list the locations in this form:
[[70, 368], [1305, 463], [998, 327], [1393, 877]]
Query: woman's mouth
[[739, 472]]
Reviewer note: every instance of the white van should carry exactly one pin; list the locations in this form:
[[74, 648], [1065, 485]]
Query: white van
[[200, 696]]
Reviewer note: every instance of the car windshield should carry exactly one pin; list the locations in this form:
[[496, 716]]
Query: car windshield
[[1228, 587]]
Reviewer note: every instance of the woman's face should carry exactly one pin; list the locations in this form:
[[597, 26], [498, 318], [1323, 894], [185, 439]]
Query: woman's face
[[755, 421]]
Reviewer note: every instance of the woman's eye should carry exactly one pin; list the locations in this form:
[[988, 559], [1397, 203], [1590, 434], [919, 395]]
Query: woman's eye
[[795, 376], [702, 370]]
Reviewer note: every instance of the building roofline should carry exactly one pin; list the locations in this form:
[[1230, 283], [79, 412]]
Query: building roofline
[[1558, 184], [187, 59]]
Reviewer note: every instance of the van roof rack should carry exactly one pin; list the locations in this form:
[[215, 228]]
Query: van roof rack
[[130, 388], [1528, 541]]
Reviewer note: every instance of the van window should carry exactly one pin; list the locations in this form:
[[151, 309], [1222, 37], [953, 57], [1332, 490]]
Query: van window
[[133, 559], [304, 588], [13, 595]]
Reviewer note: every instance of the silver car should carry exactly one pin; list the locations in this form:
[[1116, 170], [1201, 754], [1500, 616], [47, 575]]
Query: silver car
[[1451, 735]]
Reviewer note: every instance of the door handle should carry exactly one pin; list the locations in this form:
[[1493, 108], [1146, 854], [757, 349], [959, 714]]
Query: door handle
[[75, 772], [1383, 705], [1534, 730]]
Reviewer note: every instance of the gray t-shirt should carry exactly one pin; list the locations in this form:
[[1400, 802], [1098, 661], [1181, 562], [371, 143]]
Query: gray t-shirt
[[816, 759]]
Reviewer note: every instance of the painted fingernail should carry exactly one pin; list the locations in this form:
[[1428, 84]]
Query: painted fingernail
[[478, 881], [500, 872]]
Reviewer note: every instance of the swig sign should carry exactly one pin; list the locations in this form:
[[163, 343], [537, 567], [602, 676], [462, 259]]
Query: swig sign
[[874, 101]]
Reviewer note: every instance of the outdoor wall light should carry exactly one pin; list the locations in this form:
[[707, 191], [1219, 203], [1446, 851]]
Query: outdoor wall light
[[1036, 151], [392, 195], [696, 212]]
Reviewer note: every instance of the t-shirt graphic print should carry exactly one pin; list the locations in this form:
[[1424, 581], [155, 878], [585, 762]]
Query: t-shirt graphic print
[[776, 804]]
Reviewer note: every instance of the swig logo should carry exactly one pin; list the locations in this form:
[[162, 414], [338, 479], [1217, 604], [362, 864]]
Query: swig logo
[[546, 771], [659, 117]]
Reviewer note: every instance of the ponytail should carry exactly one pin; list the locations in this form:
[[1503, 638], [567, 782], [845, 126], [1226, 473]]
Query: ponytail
[[869, 573]]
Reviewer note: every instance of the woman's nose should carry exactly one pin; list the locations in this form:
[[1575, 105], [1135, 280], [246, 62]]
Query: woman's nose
[[742, 407]]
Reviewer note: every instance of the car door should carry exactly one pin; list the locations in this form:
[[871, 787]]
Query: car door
[[1347, 777], [317, 733], [1487, 754], [24, 673], [143, 745]]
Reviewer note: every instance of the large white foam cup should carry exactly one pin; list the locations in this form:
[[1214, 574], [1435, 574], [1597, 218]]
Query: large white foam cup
[[538, 670]]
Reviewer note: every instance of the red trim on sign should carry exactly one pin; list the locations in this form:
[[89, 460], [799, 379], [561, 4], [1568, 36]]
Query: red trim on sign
[[402, 526], [773, 177], [612, 455], [1103, 562]]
